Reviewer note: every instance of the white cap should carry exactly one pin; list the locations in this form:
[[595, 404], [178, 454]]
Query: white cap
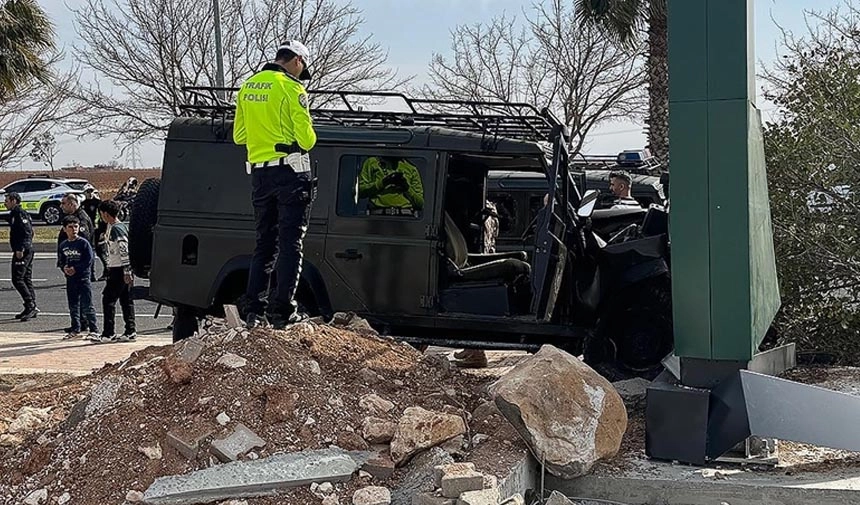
[[301, 50]]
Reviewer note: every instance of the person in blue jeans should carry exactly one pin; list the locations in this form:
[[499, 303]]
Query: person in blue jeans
[[76, 259]]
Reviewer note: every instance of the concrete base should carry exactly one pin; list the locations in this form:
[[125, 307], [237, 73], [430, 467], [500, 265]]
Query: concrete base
[[656, 483]]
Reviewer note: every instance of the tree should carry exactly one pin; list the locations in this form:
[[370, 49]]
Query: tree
[[44, 149], [813, 156], [624, 21], [142, 52], [583, 78], [26, 35]]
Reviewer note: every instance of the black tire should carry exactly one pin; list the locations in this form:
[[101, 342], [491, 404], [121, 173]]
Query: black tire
[[634, 333], [144, 212], [184, 323], [51, 213]]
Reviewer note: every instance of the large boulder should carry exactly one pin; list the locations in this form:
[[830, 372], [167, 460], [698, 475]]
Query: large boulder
[[568, 414], [421, 429]]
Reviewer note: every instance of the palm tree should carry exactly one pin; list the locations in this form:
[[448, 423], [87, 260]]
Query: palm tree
[[26, 36], [624, 21]]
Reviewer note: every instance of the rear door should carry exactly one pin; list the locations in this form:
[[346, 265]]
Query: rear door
[[382, 254]]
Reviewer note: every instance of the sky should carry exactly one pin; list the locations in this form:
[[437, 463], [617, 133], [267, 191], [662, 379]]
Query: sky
[[411, 31]]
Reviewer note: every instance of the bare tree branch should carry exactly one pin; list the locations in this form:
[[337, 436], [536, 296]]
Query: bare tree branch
[[552, 61], [142, 52]]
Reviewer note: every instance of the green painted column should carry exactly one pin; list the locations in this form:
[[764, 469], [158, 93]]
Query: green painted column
[[725, 290]]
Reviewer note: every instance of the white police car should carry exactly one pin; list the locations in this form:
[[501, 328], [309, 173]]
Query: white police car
[[40, 196]]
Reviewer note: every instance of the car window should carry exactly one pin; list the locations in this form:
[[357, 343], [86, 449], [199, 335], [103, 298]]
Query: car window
[[390, 186], [506, 206], [16, 187], [33, 186]]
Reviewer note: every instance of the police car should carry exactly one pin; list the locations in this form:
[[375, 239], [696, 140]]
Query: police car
[[40, 195]]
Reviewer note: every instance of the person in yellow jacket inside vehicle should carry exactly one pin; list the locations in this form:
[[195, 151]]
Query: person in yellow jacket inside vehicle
[[273, 121], [393, 186]]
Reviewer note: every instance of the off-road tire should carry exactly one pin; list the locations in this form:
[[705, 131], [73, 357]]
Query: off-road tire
[[634, 332], [51, 213], [144, 212], [184, 323]]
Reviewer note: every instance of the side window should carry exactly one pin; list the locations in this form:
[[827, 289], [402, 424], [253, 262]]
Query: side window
[[33, 186], [535, 205], [381, 186], [18, 187]]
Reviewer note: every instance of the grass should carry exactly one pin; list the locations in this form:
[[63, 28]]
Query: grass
[[41, 234]]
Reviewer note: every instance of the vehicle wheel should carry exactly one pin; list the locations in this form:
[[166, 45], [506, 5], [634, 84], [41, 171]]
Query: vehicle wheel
[[144, 211], [51, 213], [184, 323], [634, 333]]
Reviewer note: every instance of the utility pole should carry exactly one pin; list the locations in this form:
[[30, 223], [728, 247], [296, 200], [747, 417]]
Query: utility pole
[[219, 53]]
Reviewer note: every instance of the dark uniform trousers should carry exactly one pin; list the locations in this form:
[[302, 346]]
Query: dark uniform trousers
[[282, 201], [22, 277]]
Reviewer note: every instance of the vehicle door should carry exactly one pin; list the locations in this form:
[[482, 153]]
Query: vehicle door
[[381, 244], [33, 194]]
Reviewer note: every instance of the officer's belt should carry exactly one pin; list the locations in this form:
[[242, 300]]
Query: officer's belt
[[392, 211], [280, 162]]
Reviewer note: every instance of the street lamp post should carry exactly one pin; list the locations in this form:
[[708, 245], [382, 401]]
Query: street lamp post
[[219, 53]]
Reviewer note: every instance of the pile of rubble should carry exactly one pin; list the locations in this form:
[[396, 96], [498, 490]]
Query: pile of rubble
[[314, 414]]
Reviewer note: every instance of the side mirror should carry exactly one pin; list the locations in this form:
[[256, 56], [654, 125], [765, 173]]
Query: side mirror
[[587, 204]]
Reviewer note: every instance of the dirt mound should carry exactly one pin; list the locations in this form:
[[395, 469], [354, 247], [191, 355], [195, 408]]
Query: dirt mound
[[308, 387]]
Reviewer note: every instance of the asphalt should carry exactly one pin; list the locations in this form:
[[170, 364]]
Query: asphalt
[[50, 287]]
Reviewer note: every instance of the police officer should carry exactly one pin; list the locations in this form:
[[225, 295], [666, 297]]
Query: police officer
[[274, 122], [21, 240]]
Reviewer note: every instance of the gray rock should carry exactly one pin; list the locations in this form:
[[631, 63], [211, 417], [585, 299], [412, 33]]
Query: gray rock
[[368, 376], [231, 360], [420, 429], [223, 419], [190, 349], [37, 497], [187, 445], [25, 386], [231, 314], [372, 495], [375, 404], [153, 453], [64, 499], [632, 391], [482, 497], [456, 480], [428, 498], [76, 415], [377, 431], [239, 442], [103, 395], [244, 479]]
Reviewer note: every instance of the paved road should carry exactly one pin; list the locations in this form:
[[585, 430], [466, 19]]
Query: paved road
[[51, 297]]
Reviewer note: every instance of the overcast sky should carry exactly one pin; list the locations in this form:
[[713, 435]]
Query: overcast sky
[[413, 30]]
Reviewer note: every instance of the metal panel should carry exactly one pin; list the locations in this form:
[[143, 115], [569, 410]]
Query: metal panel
[[687, 48], [688, 228], [728, 222], [676, 420], [730, 57]]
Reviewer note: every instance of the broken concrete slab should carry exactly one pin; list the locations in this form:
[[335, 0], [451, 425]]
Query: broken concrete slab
[[252, 478], [231, 314], [482, 497], [240, 441], [187, 444], [454, 482], [441, 470], [419, 475], [428, 498], [190, 349], [632, 391], [557, 498], [379, 467]]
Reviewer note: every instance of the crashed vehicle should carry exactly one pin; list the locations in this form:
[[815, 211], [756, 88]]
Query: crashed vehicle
[[415, 274]]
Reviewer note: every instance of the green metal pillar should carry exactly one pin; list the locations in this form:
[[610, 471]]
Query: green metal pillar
[[725, 291]]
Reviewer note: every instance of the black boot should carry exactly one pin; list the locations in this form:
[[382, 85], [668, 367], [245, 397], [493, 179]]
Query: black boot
[[254, 320], [30, 314]]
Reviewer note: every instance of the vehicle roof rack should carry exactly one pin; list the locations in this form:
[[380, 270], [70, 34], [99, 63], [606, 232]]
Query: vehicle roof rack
[[360, 109]]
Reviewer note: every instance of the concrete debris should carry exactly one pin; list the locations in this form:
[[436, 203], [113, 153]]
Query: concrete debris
[[187, 444], [240, 441], [231, 360], [25, 386], [364, 475], [479, 438], [516, 499], [322, 490], [331, 500], [313, 366], [632, 391], [455, 480], [64, 499], [28, 419], [103, 396], [372, 495], [419, 475], [222, 419], [434, 498], [252, 478], [375, 404], [134, 496], [420, 429], [440, 470], [231, 314], [152, 453], [190, 349], [568, 414], [481, 497], [369, 377], [37, 497], [378, 431], [351, 441], [557, 498]]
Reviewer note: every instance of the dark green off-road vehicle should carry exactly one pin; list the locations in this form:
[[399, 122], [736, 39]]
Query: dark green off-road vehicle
[[415, 274]]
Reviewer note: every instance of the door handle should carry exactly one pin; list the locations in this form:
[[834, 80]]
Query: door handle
[[349, 254]]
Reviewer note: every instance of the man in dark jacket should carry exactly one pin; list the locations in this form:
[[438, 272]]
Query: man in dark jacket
[[21, 241]]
